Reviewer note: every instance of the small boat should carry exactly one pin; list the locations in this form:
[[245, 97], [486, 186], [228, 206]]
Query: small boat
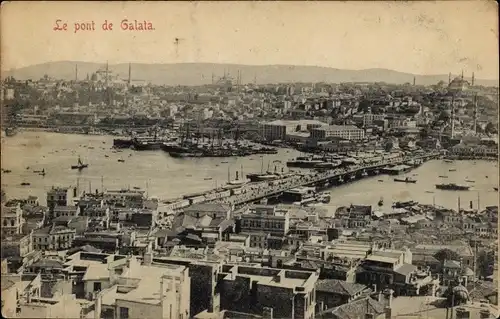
[[25, 184], [381, 202], [106, 156], [135, 187], [121, 160], [443, 176], [406, 180], [6, 170], [470, 181], [208, 178], [452, 187], [80, 165], [224, 162], [452, 170], [431, 192], [42, 172], [495, 188], [381, 180], [448, 161]]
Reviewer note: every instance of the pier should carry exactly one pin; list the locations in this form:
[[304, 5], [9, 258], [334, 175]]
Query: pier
[[320, 180]]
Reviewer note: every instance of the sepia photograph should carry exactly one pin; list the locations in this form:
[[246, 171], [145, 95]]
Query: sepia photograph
[[245, 160]]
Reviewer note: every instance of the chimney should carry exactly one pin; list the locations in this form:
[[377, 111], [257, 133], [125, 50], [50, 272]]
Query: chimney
[[267, 313], [97, 310], [148, 258], [277, 278], [389, 297], [388, 312]]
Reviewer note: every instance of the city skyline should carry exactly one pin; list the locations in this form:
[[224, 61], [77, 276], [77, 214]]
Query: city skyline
[[417, 38]]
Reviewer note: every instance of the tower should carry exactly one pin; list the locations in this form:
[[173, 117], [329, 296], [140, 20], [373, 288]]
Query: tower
[[413, 81], [452, 116], [129, 74], [472, 82], [449, 78], [76, 72], [474, 128]]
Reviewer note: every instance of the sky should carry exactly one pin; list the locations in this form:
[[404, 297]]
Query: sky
[[416, 37]]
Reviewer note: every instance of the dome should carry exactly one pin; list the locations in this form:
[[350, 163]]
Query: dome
[[461, 293]]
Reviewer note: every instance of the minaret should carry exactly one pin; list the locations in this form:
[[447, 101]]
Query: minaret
[[413, 81], [212, 78], [129, 74], [472, 83], [475, 112], [462, 75], [76, 72], [453, 116], [107, 70]]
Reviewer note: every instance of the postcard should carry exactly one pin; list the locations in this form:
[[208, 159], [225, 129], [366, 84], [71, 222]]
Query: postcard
[[225, 159]]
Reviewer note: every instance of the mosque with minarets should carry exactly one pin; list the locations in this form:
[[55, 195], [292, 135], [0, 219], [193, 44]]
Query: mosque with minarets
[[460, 86]]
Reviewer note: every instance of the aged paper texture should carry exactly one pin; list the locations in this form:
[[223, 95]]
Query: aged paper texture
[[249, 159]]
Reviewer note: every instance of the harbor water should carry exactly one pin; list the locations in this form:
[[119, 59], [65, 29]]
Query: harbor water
[[166, 177]]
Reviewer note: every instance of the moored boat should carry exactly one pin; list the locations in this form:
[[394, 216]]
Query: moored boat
[[453, 187], [405, 180], [80, 165]]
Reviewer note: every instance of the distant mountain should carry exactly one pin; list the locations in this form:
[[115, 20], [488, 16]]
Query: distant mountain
[[201, 73]]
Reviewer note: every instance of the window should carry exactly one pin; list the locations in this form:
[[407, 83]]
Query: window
[[97, 287], [124, 313]]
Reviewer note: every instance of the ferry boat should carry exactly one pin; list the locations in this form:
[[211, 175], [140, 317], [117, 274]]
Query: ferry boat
[[298, 195], [256, 177], [80, 165], [122, 142], [452, 187], [146, 143], [405, 180], [304, 162], [185, 154]]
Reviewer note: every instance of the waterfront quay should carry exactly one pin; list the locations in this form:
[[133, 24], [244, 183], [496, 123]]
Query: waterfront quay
[[258, 191]]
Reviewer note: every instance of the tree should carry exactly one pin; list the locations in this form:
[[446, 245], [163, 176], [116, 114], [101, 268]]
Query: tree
[[388, 146], [446, 254], [485, 263], [490, 128], [363, 106]]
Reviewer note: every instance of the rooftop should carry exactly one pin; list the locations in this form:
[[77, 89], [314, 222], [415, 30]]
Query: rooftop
[[339, 287]]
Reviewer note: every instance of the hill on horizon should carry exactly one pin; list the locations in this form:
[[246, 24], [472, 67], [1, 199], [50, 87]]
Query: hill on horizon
[[201, 73]]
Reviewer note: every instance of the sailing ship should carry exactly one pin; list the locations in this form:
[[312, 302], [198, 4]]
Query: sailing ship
[[80, 165]]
